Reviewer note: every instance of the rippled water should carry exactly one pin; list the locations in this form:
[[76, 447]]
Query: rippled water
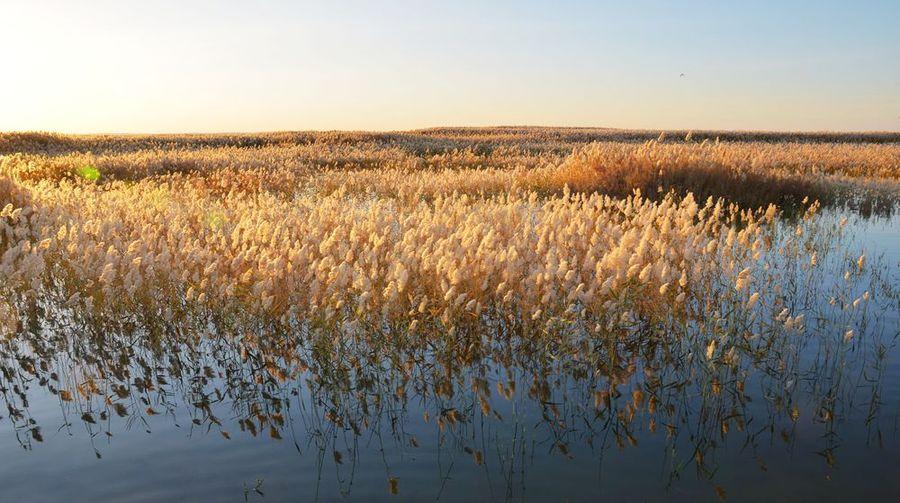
[[224, 413]]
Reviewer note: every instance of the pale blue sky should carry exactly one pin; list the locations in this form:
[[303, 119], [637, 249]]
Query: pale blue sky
[[125, 66]]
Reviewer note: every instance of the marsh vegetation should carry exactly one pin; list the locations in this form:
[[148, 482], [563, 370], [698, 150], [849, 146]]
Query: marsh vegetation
[[521, 312]]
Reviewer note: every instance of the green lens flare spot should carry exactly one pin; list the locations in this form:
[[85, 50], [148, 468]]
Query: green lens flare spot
[[88, 173]]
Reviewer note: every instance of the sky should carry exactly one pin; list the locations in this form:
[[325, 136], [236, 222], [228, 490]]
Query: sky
[[167, 67]]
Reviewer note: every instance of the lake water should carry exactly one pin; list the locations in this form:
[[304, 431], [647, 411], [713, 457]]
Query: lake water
[[222, 415]]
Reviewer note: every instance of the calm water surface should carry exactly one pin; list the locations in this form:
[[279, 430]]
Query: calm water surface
[[126, 415]]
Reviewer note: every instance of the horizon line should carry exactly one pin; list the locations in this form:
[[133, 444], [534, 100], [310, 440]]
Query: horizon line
[[426, 129]]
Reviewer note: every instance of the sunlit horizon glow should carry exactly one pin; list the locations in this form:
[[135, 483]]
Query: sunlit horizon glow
[[165, 67]]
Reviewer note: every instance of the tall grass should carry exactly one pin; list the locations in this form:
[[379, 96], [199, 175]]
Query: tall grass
[[613, 286], [706, 170]]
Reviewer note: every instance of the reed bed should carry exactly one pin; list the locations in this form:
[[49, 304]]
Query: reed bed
[[340, 258], [617, 288], [421, 141], [752, 175], [351, 228]]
